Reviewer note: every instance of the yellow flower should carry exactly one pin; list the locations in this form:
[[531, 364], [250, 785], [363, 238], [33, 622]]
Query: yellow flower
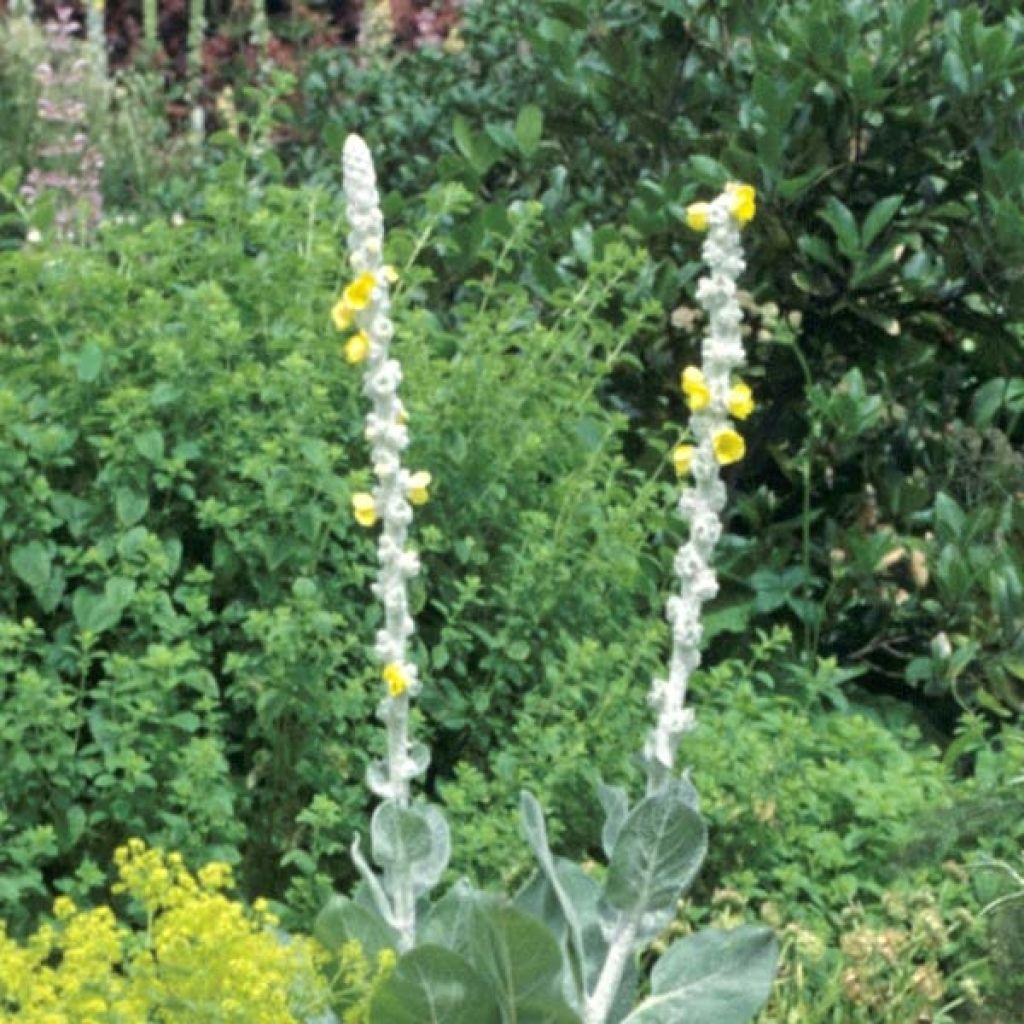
[[357, 295], [341, 314], [740, 401], [743, 205], [395, 678], [697, 215], [357, 348], [364, 508], [695, 387], [682, 458], [728, 447], [417, 487], [63, 908]]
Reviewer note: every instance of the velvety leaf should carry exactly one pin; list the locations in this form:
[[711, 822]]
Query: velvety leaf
[[713, 977], [517, 955], [615, 803], [658, 852], [431, 985]]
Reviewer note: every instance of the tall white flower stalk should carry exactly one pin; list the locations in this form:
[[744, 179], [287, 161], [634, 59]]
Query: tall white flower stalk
[[365, 306], [364, 311], [716, 398]]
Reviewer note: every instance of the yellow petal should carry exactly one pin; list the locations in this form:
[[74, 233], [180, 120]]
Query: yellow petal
[[698, 394], [389, 272], [728, 447], [364, 508], [395, 678], [357, 294], [341, 314], [740, 401], [357, 348], [744, 204], [682, 458], [697, 216], [417, 487]]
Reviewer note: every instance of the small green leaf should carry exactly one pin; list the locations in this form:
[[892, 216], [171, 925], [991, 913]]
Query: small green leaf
[[878, 218], [840, 219], [95, 613], [130, 505], [150, 445], [89, 362], [31, 563], [529, 128]]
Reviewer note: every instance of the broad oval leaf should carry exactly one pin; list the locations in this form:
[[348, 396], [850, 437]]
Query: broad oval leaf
[[431, 985], [658, 852], [713, 977], [413, 839], [517, 955]]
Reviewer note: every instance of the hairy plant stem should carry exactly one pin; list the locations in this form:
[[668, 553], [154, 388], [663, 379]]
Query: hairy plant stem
[[599, 1002]]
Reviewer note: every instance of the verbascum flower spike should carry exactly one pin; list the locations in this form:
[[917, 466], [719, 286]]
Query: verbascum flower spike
[[365, 305], [712, 399]]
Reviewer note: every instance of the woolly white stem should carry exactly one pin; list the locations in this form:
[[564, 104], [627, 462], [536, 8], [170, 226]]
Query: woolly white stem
[[701, 501], [620, 949], [388, 437]]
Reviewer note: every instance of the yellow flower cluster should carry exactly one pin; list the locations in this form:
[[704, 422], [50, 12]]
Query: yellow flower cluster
[[727, 444], [355, 980], [364, 508], [742, 205], [203, 956], [354, 300]]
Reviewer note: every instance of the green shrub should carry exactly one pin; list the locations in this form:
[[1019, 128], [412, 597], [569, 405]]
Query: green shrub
[[185, 598]]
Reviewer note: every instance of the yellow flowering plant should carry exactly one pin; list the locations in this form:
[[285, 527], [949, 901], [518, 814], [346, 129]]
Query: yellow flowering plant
[[198, 955]]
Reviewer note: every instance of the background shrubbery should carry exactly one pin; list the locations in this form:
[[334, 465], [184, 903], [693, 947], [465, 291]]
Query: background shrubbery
[[185, 604]]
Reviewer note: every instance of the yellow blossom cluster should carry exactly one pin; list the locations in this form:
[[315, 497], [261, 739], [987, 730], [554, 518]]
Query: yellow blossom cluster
[[364, 507], [742, 206], [355, 298], [202, 956], [356, 979], [727, 444]]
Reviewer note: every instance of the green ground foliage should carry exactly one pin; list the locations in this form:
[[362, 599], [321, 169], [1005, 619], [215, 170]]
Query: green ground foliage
[[184, 598]]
